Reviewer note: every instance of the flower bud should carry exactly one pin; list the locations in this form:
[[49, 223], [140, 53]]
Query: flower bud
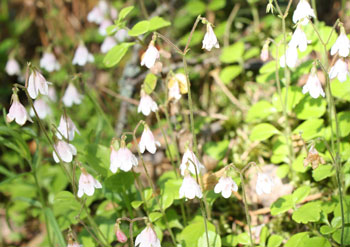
[[121, 237]]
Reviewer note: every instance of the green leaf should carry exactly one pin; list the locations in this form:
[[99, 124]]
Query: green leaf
[[136, 204], [150, 83], [216, 5], [297, 239], [216, 150], [294, 97], [325, 229], [282, 171], [317, 241], [97, 156], [139, 28], [114, 55], [154, 216], [282, 205], [262, 132], [193, 231], [157, 23], [214, 240], [232, 53], [310, 129], [54, 226], [229, 73], [310, 212], [124, 12], [260, 111], [195, 7], [263, 235], [344, 123], [243, 238], [230, 240], [111, 29], [119, 181], [275, 241], [322, 172], [341, 90], [301, 193], [337, 236], [298, 163], [310, 108]]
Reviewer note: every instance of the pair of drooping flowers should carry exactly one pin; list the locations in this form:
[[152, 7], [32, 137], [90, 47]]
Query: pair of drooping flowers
[[301, 16]]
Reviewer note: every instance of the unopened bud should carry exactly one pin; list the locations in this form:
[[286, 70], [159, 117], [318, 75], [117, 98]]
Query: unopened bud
[[121, 237]]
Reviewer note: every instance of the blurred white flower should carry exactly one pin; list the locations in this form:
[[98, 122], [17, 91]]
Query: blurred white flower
[[37, 83], [123, 159], [189, 188], [147, 238], [49, 62], [52, 93], [17, 112], [264, 184], [67, 128], [210, 39], [147, 104], [299, 39], [12, 67], [264, 55], [225, 186], [340, 70], [150, 56], [303, 12], [71, 96], [64, 150], [341, 45], [174, 90], [104, 24], [147, 141], [292, 57], [108, 43], [87, 184], [313, 86], [82, 56], [95, 15], [190, 162], [41, 107], [121, 35]]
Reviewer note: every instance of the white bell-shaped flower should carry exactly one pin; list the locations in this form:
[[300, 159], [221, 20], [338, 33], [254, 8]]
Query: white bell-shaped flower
[[147, 104], [291, 57], [49, 62], [313, 86], [66, 128], [210, 39], [174, 90], [123, 159], [108, 43], [147, 238], [225, 186], [303, 12], [87, 184], [52, 93], [147, 141], [17, 112], [41, 107], [190, 162], [339, 70], [189, 188], [299, 39], [12, 67], [64, 150], [37, 83], [341, 45], [121, 35], [71, 96], [150, 56], [264, 184], [103, 26], [82, 56], [95, 15]]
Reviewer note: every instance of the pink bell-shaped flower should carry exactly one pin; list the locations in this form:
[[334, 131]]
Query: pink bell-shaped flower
[[82, 56], [147, 141], [150, 56], [64, 150], [225, 186], [67, 128], [147, 238], [123, 158], [190, 162], [71, 96], [147, 104], [37, 83], [17, 112], [49, 62], [210, 39], [12, 67], [87, 184], [189, 188], [264, 184]]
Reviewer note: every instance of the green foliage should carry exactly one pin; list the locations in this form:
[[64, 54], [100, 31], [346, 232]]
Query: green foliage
[[150, 83], [114, 55], [263, 131]]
